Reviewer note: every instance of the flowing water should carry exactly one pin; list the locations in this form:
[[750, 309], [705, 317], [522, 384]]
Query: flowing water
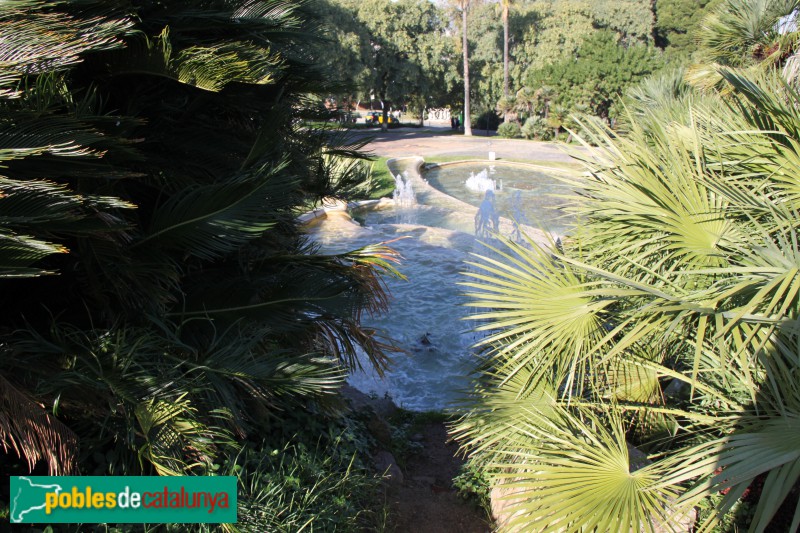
[[427, 311]]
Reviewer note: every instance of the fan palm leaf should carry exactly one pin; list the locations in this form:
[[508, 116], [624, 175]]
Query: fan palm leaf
[[685, 267], [544, 314], [742, 34], [578, 475]]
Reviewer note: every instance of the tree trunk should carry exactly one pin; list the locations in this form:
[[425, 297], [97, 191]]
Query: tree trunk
[[505, 59], [467, 124], [385, 123]]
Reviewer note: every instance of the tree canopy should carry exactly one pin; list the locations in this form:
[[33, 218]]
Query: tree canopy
[[408, 51]]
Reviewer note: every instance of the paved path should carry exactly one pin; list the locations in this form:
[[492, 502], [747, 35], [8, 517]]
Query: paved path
[[433, 142]]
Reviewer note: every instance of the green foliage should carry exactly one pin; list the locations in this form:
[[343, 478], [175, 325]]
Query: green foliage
[[487, 120], [297, 489], [312, 480], [743, 34], [665, 321], [509, 130], [382, 177], [473, 485], [632, 20], [395, 50], [536, 128], [407, 51], [310, 474], [598, 76], [160, 304], [676, 21]]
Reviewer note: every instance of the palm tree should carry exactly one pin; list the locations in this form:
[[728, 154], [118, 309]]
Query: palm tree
[[743, 34], [664, 322], [464, 7], [159, 302], [505, 6]]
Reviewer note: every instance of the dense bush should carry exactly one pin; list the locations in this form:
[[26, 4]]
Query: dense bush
[[598, 76], [536, 127], [160, 307], [509, 130], [487, 120]]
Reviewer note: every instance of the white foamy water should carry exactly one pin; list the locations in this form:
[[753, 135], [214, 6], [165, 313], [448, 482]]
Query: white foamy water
[[425, 314]]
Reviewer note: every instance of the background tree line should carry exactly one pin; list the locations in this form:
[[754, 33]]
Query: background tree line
[[563, 56]]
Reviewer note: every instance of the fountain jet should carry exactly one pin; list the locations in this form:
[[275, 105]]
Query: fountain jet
[[404, 195], [481, 182]]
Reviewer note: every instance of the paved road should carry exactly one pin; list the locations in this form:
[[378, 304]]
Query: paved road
[[433, 142]]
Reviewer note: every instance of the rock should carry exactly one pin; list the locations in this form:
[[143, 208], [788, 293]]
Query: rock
[[383, 407], [379, 428], [684, 522], [501, 498], [387, 466]]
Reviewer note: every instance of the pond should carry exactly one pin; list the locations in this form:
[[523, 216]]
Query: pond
[[522, 193]]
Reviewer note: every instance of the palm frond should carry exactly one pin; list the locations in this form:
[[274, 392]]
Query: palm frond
[[19, 252], [210, 67], [34, 434], [41, 36], [584, 469], [213, 220], [541, 313], [175, 441]]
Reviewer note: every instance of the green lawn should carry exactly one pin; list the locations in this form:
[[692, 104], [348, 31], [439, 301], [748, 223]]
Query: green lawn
[[384, 181]]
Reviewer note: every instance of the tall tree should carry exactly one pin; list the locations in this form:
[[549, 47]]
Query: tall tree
[[505, 6], [464, 6], [675, 24], [409, 53], [599, 73]]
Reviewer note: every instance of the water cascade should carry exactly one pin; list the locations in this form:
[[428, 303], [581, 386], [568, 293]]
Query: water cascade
[[426, 316], [518, 217], [403, 191]]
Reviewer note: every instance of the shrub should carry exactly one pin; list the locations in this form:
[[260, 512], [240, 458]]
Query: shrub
[[487, 120], [666, 321], [509, 130], [536, 128]]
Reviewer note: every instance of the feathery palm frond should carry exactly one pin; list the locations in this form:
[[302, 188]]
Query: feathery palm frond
[[40, 36], [153, 163], [34, 434]]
